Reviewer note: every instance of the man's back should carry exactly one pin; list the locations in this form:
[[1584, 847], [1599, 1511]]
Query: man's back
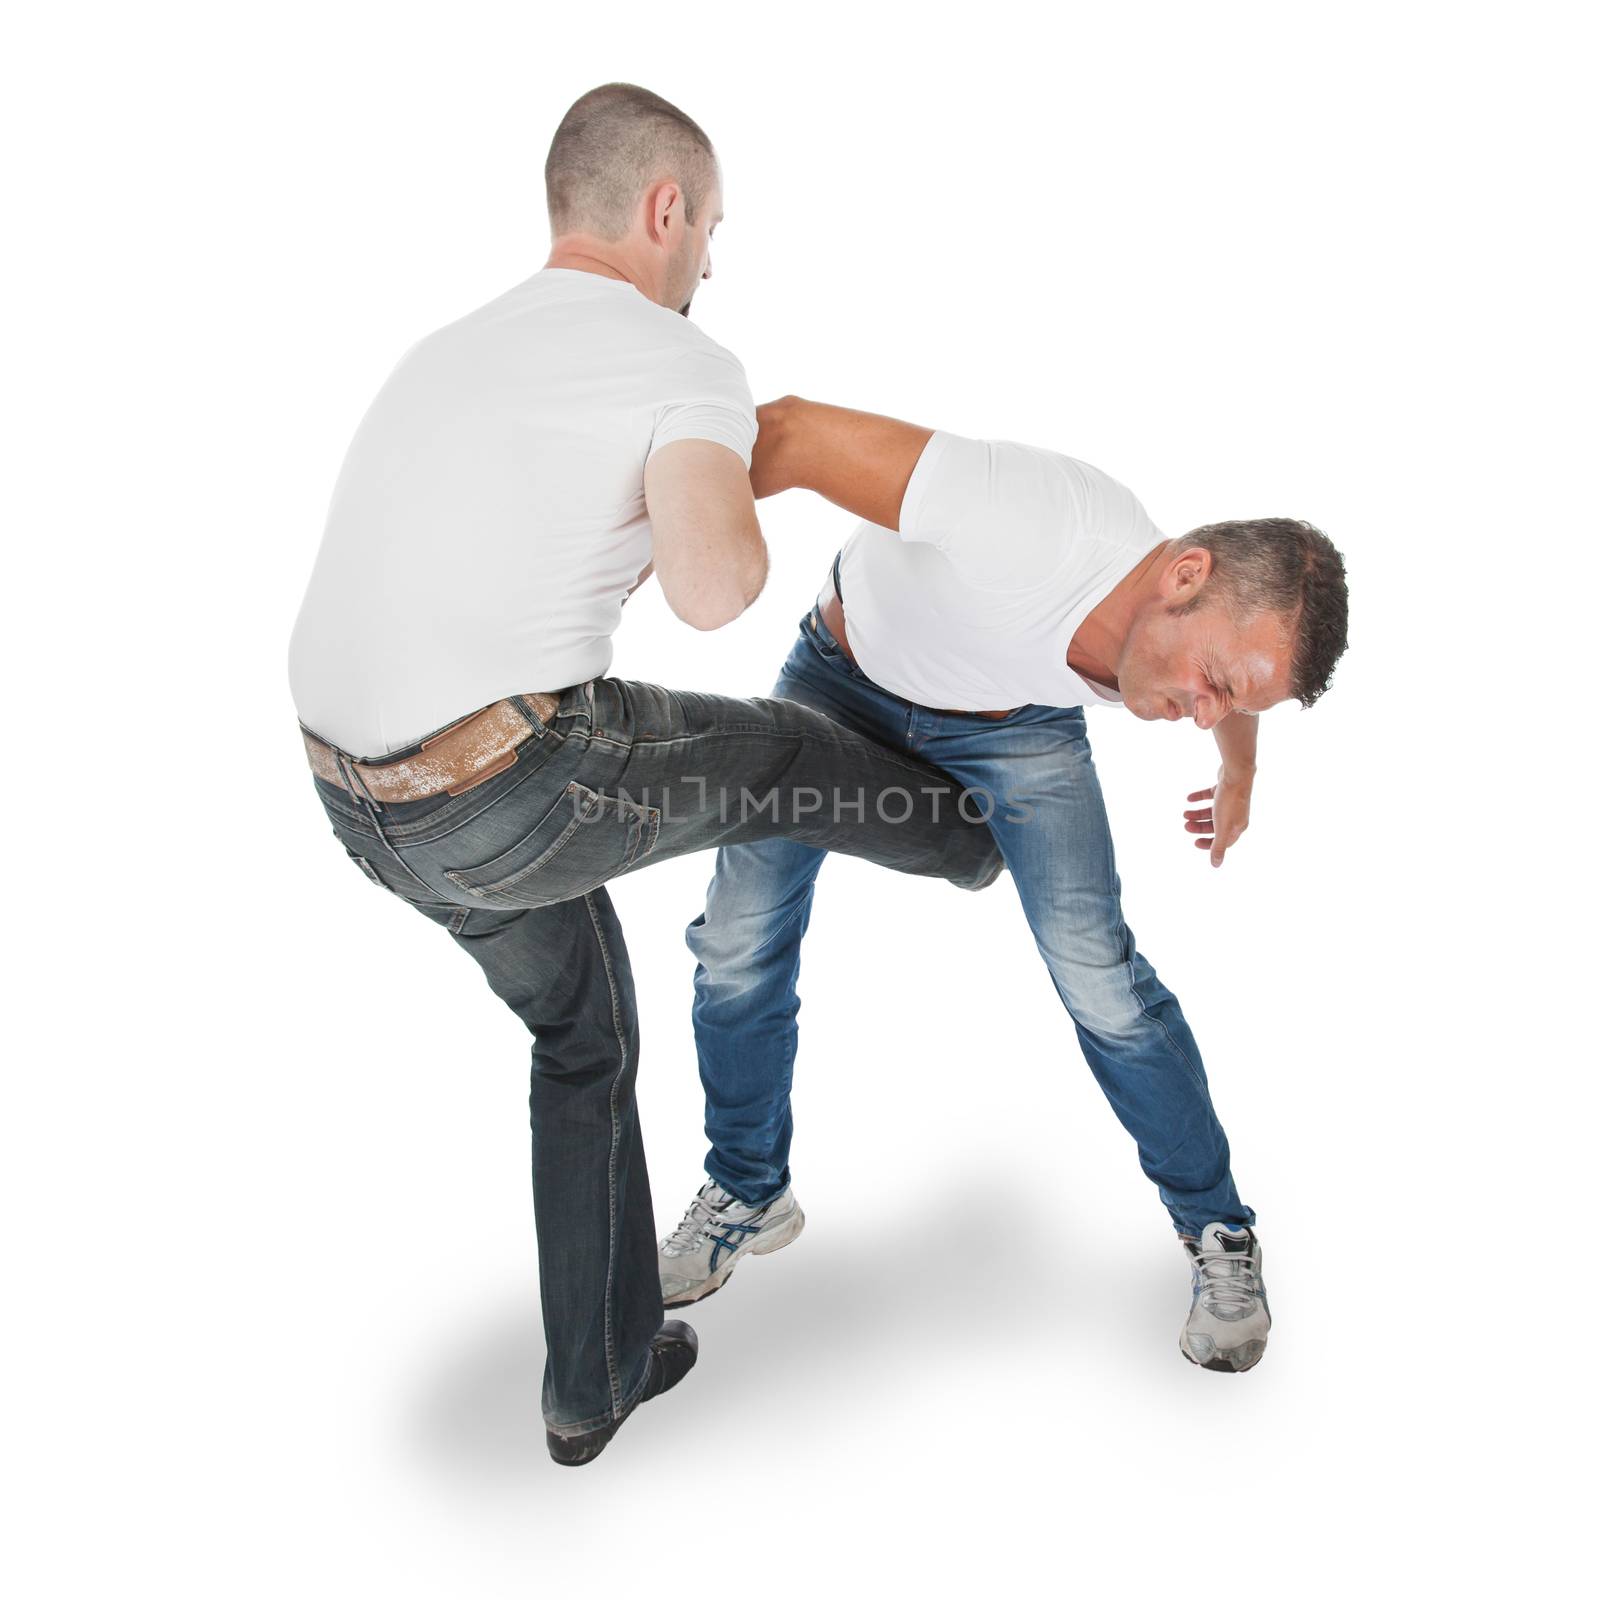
[[489, 518]]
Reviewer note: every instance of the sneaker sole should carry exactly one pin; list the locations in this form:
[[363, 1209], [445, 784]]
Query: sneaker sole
[[1231, 1361], [787, 1234]]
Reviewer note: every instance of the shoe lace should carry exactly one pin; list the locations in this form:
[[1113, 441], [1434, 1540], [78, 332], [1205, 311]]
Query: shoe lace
[[690, 1233], [1227, 1280]]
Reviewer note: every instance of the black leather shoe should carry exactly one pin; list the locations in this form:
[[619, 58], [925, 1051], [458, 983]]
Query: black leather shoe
[[672, 1353]]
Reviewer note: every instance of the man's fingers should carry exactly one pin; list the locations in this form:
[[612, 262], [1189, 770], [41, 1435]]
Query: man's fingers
[[1221, 844], [1200, 811], [1203, 794], [1200, 825]]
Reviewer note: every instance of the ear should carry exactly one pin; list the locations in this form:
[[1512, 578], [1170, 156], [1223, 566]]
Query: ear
[[1185, 575], [663, 216]]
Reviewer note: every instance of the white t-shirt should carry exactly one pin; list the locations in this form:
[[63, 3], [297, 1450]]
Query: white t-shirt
[[1002, 551], [489, 518]]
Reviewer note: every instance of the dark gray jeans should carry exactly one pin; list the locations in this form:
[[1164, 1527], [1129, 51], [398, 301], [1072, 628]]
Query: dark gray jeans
[[622, 775]]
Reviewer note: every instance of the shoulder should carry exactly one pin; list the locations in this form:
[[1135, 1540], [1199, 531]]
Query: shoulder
[[1023, 481], [692, 366], [1092, 502], [1107, 508], [693, 347]]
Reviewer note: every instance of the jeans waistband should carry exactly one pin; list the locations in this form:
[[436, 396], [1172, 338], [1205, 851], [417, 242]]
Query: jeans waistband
[[573, 701], [575, 705]]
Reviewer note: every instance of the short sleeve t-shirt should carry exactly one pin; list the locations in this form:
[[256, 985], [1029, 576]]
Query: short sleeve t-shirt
[[489, 518], [1003, 550]]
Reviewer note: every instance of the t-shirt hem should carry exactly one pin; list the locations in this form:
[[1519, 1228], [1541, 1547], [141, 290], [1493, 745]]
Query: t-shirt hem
[[736, 439]]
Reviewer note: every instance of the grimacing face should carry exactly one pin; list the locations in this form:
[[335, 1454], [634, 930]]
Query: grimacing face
[[1204, 665], [692, 264]]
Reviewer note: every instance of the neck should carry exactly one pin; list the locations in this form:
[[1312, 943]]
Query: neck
[[1096, 646], [581, 252]]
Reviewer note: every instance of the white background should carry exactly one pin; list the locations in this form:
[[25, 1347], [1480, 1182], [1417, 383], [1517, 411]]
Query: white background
[[270, 1316]]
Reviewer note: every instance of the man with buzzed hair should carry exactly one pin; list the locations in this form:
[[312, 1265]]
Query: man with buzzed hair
[[520, 473], [604, 142]]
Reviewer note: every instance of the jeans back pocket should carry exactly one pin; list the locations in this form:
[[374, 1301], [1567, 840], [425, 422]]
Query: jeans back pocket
[[584, 840]]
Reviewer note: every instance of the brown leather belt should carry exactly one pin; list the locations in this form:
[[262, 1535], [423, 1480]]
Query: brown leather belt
[[462, 756], [832, 609]]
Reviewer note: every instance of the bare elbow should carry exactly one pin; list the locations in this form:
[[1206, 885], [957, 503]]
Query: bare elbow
[[707, 619], [719, 597], [777, 414]]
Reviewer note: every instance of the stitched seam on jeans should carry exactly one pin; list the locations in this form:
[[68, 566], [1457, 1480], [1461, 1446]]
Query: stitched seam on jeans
[[570, 1430], [783, 927], [883, 752], [1150, 1017], [1133, 986], [1177, 1049], [1144, 1010], [376, 823], [586, 803], [611, 1166], [721, 727], [421, 836]]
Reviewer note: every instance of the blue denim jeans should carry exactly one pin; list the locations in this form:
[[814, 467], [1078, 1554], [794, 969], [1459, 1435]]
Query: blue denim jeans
[[622, 775], [1048, 817]]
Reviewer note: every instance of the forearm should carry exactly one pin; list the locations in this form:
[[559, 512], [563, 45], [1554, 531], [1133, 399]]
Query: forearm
[[1236, 743], [859, 461]]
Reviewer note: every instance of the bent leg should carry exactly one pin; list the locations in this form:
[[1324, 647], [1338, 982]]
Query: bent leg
[[704, 772]]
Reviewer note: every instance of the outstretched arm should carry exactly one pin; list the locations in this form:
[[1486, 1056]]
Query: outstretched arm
[[857, 460]]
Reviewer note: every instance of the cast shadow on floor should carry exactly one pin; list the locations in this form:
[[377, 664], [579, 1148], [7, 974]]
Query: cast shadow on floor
[[826, 1323]]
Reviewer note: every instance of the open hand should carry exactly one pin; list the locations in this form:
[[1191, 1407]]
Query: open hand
[[1220, 822]]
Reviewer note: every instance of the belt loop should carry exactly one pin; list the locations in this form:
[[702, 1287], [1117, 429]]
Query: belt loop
[[838, 588], [352, 782], [537, 725]]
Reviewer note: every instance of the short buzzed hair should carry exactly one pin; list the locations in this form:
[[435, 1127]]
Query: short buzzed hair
[[613, 143], [1292, 569]]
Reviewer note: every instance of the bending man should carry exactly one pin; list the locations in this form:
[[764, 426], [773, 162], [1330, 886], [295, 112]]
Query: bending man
[[993, 592]]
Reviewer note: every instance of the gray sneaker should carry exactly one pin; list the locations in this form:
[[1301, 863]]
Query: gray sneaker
[[716, 1231], [1228, 1319]]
